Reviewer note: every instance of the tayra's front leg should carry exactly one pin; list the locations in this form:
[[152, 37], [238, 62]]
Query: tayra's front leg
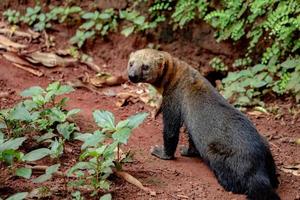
[[172, 124]]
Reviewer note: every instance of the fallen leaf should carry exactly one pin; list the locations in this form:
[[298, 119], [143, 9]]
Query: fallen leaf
[[293, 169], [14, 58], [106, 79], [30, 70], [8, 43], [261, 109], [8, 31], [255, 113], [48, 59]]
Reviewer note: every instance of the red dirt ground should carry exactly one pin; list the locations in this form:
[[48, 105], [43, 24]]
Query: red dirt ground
[[183, 178]]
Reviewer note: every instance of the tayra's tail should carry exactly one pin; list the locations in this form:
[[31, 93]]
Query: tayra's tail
[[260, 188]]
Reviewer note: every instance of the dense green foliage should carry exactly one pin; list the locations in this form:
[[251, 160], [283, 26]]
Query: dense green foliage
[[42, 115], [270, 30]]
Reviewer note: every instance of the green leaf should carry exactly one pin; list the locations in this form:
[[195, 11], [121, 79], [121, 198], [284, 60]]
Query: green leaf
[[12, 144], [30, 105], [87, 25], [106, 197], [65, 129], [243, 100], [42, 178], [258, 68], [104, 119], [52, 169], [18, 196], [39, 100], [91, 140], [127, 31], [258, 83], [36, 154], [46, 136], [9, 155], [1, 137], [53, 86], [291, 63], [136, 120], [32, 91], [20, 113], [140, 20], [24, 172], [73, 112], [64, 89], [122, 124], [56, 115], [104, 16], [80, 166], [122, 135], [88, 15], [75, 9]]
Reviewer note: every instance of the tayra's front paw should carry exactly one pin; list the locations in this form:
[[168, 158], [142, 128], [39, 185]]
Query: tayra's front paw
[[159, 152], [188, 152]]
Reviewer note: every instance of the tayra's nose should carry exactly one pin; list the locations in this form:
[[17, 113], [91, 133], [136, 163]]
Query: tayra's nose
[[133, 78]]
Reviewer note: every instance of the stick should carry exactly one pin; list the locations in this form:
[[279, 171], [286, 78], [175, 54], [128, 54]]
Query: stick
[[30, 70], [130, 179]]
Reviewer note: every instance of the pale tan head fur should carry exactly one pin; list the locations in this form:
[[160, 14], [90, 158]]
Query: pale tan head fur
[[146, 65]]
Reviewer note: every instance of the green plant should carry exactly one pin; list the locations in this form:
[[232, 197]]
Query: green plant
[[101, 150], [136, 22], [96, 23], [18, 196], [12, 16], [218, 64], [187, 10], [247, 86], [9, 149], [43, 114]]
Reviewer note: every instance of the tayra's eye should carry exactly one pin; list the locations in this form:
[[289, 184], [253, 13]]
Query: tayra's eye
[[145, 67], [130, 64]]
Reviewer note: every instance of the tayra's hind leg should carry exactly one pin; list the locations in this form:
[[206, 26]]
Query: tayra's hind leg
[[190, 150]]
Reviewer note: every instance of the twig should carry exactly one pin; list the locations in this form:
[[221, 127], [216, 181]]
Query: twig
[[130, 179], [30, 70]]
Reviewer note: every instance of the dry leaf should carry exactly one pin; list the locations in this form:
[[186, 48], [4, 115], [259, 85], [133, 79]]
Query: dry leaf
[[8, 43], [7, 31], [48, 59], [12, 57], [255, 113], [293, 169], [106, 79], [30, 70]]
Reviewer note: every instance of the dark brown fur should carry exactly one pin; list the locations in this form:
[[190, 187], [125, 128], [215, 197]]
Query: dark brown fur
[[220, 134]]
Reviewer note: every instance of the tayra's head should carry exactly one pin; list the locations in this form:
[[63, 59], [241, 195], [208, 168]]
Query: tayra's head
[[146, 65]]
